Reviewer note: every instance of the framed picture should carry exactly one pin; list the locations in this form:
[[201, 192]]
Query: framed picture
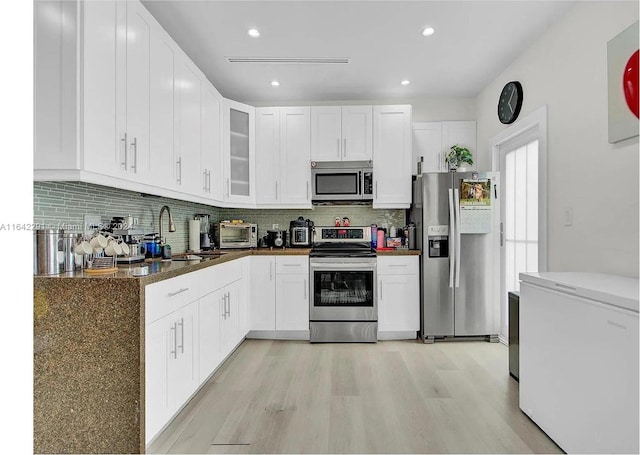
[[622, 81]]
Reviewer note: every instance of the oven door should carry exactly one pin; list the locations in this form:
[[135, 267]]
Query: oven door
[[343, 289]]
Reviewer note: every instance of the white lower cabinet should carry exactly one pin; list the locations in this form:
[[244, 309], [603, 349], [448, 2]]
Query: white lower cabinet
[[192, 322], [209, 316], [398, 297], [280, 297], [263, 293], [292, 293], [171, 357]]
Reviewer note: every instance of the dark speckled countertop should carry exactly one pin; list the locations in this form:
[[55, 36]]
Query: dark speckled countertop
[[163, 269]]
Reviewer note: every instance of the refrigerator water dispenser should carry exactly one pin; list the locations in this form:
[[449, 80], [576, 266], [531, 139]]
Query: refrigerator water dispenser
[[438, 246]]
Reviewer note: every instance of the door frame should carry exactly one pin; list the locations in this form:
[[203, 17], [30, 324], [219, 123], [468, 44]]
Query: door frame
[[535, 122]]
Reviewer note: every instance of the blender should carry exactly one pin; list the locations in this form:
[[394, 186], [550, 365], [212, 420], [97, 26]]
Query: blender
[[205, 237]]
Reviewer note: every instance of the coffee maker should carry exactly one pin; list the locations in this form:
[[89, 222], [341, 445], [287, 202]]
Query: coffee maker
[[133, 238], [205, 228]]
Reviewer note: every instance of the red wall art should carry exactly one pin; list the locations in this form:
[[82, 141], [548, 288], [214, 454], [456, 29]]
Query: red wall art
[[622, 81]]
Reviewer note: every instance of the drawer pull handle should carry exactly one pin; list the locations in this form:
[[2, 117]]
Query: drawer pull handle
[[179, 291]]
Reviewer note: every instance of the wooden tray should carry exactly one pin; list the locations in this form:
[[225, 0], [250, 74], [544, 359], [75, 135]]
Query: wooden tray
[[101, 271]]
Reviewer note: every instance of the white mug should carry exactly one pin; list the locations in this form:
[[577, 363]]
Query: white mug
[[99, 242], [113, 249], [83, 247]]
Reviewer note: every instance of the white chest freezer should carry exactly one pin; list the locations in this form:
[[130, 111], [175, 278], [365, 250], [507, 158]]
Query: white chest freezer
[[579, 359]]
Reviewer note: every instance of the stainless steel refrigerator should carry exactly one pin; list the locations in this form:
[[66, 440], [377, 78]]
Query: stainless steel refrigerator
[[458, 230]]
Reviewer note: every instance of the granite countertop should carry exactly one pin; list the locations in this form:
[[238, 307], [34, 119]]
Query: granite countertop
[[159, 269]]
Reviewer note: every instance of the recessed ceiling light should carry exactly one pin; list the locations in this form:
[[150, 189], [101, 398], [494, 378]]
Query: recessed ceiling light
[[428, 31], [275, 83], [405, 82], [253, 33]]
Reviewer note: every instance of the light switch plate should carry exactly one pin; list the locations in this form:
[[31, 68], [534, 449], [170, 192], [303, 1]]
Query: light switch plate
[[568, 216]]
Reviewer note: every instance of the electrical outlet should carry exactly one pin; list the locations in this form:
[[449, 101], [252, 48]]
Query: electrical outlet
[[275, 226], [92, 223]]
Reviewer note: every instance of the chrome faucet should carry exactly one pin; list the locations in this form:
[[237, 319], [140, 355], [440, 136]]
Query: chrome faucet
[[172, 226]]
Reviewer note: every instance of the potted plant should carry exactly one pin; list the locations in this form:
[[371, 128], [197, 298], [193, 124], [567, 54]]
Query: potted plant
[[457, 156]]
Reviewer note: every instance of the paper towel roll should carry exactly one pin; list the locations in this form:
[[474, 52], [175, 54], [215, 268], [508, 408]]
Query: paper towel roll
[[194, 235]]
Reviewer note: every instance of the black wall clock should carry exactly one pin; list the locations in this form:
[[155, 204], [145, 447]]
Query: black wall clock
[[510, 102]]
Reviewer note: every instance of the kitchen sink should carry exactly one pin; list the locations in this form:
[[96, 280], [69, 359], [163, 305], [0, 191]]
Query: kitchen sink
[[202, 256], [188, 257]]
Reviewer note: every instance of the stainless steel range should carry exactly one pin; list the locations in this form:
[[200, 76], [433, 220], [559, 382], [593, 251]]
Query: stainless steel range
[[343, 304]]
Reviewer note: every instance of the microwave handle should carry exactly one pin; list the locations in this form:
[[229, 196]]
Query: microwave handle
[[360, 183]]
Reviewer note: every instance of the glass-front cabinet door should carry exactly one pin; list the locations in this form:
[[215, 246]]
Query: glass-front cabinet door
[[239, 178]]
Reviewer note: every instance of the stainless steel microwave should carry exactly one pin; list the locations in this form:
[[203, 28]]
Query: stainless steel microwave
[[341, 181], [235, 235]]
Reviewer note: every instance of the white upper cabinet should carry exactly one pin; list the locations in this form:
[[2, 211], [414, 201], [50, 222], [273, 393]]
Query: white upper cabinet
[[341, 133], [295, 169], [392, 156], [187, 152], [268, 186], [238, 152], [427, 146], [139, 23], [283, 172], [432, 142], [116, 89], [211, 143], [163, 61], [104, 69]]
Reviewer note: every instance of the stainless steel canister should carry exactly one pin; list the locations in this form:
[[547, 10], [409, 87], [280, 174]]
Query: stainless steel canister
[[412, 236], [47, 244], [69, 242]]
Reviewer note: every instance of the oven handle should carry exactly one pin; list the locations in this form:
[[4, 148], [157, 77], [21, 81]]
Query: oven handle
[[356, 266]]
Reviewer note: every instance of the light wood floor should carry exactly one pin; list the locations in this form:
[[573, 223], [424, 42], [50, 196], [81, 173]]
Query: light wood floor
[[389, 397]]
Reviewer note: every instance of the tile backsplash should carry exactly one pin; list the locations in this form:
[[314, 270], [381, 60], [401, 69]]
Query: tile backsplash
[[66, 203]]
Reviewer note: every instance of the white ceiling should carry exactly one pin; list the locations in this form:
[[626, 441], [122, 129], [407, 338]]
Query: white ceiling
[[473, 43]]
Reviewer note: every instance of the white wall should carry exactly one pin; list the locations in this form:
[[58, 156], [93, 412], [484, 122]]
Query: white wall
[[566, 69]]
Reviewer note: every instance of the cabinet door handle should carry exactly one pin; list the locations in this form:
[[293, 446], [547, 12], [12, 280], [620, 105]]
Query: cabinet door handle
[[175, 341], [209, 182], [292, 265], [181, 324], [307, 189], [380, 296], [179, 171], [126, 162], [271, 271], [134, 144], [376, 185], [204, 180], [179, 291], [344, 148], [397, 265], [276, 190], [224, 307]]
